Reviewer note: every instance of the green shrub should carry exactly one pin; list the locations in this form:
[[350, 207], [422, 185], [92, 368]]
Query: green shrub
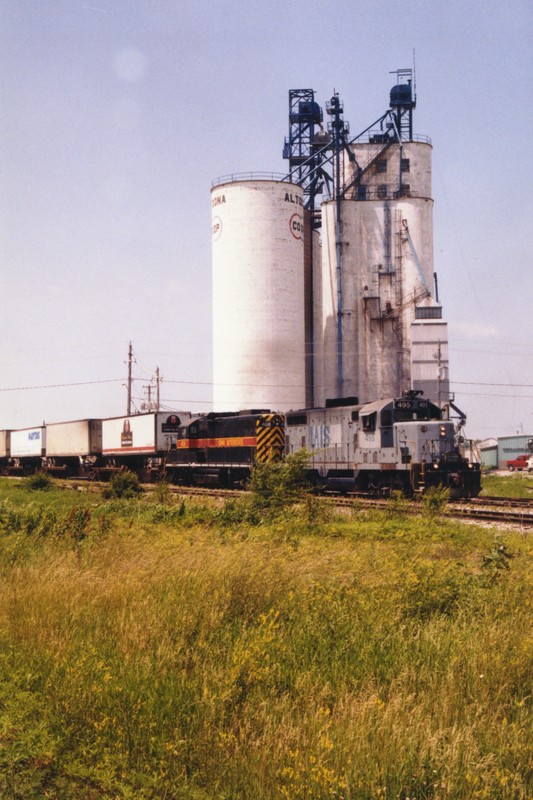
[[40, 482], [162, 493], [29, 520], [123, 485], [278, 484], [435, 500], [496, 561]]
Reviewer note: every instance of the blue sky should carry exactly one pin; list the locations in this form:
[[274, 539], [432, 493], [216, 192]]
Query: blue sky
[[117, 115]]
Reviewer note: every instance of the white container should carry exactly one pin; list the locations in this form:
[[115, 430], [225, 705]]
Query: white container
[[28, 442], [259, 316], [4, 444], [78, 438], [141, 433]]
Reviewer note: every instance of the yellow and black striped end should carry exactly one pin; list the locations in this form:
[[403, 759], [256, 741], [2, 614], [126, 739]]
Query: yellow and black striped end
[[270, 435]]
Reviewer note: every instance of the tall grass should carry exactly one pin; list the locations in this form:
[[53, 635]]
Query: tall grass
[[157, 650], [512, 485]]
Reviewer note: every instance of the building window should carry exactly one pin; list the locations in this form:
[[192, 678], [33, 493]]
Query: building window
[[405, 165], [381, 165], [361, 192], [382, 191]]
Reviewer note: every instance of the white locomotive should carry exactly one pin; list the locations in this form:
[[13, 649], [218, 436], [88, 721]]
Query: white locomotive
[[378, 447]]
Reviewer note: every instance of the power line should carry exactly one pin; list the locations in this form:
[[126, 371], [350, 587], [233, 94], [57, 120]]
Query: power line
[[491, 396], [263, 386], [59, 385], [505, 385]]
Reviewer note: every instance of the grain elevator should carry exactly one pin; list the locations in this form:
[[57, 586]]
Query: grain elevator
[[323, 278]]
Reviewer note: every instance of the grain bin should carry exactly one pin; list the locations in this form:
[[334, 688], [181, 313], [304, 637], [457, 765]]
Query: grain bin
[[258, 295]]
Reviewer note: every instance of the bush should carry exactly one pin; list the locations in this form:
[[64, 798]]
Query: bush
[[40, 482], [435, 500], [123, 484], [278, 484]]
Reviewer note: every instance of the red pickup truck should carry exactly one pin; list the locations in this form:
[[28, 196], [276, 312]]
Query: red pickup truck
[[519, 463]]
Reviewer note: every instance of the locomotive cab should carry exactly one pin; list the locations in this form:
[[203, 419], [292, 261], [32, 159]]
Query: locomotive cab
[[405, 444]]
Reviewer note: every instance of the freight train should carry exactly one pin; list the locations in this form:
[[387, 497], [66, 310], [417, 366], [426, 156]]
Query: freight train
[[401, 444]]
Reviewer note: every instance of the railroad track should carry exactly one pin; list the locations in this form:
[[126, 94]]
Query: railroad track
[[501, 510], [498, 510]]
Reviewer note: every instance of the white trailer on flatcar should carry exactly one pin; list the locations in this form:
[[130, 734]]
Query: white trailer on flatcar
[[5, 437], [74, 439], [28, 442]]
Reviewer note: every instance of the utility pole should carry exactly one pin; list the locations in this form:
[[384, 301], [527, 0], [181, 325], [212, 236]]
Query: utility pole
[[438, 357], [158, 380], [130, 361], [149, 395]]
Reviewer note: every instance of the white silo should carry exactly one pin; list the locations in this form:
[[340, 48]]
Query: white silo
[[259, 285], [377, 266]]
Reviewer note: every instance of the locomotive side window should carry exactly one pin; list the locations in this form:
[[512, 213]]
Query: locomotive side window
[[297, 419], [386, 419], [369, 422]]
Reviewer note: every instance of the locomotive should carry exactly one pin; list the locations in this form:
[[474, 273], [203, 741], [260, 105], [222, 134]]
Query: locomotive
[[392, 444], [221, 449], [399, 444]]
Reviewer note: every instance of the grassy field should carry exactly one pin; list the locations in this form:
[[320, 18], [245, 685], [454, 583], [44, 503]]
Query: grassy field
[[511, 485], [157, 649]]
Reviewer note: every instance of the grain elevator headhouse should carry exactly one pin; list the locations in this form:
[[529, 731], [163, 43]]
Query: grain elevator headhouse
[[350, 308]]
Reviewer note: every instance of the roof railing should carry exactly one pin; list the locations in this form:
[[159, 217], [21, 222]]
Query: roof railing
[[249, 176]]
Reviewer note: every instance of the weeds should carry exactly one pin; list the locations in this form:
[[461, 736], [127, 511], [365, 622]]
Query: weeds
[[40, 482], [434, 501], [184, 658], [496, 561]]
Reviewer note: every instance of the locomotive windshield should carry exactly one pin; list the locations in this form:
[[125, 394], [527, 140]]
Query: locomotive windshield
[[408, 409]]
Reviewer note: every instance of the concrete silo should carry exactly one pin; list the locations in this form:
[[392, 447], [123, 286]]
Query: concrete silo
[[377, 260], [377, 265], [259, 288]]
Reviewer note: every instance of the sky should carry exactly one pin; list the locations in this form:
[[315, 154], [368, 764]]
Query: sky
[[117, 115]]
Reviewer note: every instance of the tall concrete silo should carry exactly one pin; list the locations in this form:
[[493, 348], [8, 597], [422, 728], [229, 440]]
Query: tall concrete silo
[[259, 288], [377, 266], [377, 257]]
